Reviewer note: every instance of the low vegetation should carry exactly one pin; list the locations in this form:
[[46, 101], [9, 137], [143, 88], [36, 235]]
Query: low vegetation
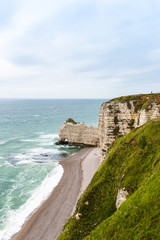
[[70, 120], [132, 163]]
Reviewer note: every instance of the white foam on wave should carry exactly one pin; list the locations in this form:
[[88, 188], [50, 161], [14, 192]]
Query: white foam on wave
[[28, 140], [19, 216], [8, 163], [43, 139], [37, 155], [3, 142], [43, 151], [47, 139], [48, 136], [24, 162], [31, 153]]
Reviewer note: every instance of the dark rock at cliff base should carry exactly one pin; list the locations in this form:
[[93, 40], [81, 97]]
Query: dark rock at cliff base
[[82, 145], [61, 143]]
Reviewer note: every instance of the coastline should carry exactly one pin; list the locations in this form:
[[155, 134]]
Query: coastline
[[48, 220]]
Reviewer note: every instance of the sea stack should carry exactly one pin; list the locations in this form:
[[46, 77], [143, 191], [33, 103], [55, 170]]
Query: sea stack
[[78, 134]]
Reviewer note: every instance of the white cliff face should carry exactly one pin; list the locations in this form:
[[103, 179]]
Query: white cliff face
[[116, 118], [79, 134], [119, 118]]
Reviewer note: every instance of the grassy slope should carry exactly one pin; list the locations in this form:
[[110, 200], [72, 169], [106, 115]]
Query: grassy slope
[[132, 163], [137, 218]]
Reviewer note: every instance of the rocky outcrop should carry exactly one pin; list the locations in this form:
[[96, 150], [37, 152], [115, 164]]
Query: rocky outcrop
[[119, 116], [121, 197], [78, 134]]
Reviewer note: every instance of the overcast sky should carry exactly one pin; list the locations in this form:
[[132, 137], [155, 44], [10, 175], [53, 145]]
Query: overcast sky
[[79, 48]]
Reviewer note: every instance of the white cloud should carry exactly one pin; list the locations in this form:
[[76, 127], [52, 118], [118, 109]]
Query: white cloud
[[49, 46]]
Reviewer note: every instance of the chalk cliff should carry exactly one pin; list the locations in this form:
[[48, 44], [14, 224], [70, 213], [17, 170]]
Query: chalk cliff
[[119, 116], [78, 134]]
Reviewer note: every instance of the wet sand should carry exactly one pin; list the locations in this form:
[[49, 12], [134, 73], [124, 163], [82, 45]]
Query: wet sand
[[47, 222]]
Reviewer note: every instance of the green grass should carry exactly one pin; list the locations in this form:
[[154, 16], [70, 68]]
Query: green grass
[[70, 120], [133, 163], [137, 218]]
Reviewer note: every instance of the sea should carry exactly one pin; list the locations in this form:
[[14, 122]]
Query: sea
[[29, 158]]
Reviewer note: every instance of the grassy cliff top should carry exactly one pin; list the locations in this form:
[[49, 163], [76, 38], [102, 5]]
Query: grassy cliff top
[[140, 101], [132, 163], [139, 97]]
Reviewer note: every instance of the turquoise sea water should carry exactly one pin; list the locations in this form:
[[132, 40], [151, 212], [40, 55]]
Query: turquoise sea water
[[29, 168]]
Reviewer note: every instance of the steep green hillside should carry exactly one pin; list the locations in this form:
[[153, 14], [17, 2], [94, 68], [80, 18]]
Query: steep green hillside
[[133, 163]]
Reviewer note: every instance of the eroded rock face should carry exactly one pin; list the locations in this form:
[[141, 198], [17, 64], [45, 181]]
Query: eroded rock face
[[121, 197], [78, 134], [119, 118]]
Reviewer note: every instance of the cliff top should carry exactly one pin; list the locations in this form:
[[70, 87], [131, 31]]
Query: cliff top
[[139, 97], [140, 101]]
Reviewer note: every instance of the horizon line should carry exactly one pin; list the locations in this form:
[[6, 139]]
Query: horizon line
[[53, 98]]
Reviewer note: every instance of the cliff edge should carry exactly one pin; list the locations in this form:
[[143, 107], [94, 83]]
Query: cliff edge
[[119, 116]]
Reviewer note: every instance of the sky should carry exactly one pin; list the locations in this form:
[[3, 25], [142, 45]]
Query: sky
[[79, 48]]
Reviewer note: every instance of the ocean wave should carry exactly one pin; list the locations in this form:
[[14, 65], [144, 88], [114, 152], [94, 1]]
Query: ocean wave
[[38, 197], [47, 139], [24, 162], [37, 155], [53, 135], [42, 139], [8, 164], [27, 140], [48, 136], [3, 142], [43, 150]]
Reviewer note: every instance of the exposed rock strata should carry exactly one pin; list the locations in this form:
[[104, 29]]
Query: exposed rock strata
[[118, 118], [121, 197], [78, 134]]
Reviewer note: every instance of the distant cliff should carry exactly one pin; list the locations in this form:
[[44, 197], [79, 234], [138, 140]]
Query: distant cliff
[[119, 116], [78, 134]]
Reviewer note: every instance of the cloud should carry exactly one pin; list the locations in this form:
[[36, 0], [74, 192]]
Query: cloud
[[74, 47]]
